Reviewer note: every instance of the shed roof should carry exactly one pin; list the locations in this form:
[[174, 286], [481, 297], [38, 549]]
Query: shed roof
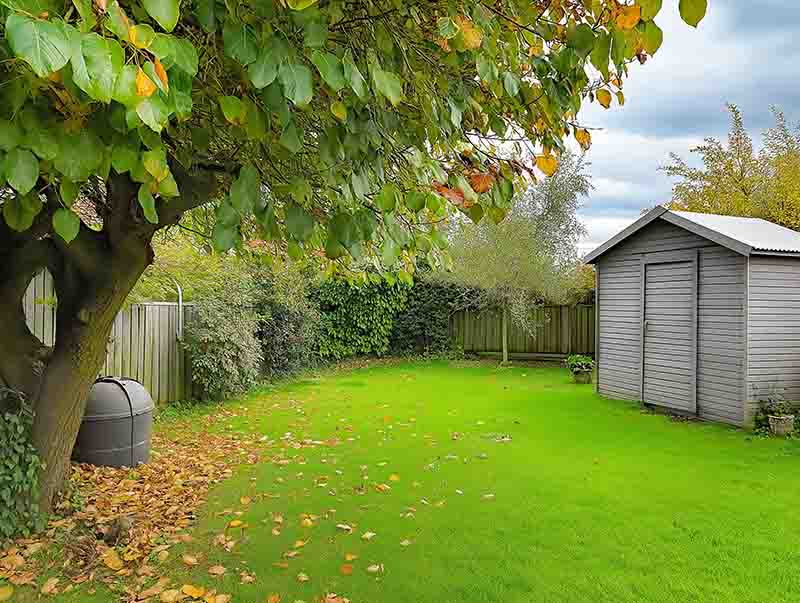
[[743, 235]]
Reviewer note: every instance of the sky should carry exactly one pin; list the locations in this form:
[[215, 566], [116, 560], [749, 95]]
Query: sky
[[741, 53]]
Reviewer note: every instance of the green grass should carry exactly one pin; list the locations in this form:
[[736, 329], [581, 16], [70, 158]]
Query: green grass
[[591, 500]]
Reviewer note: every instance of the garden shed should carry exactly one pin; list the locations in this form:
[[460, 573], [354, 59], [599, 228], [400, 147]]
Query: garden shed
[[699, 313]]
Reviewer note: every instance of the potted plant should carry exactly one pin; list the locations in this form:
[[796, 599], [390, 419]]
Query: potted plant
[[781, 419], [581, 367]]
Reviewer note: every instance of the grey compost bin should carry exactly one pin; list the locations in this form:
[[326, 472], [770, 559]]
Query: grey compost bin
[[116, 425]]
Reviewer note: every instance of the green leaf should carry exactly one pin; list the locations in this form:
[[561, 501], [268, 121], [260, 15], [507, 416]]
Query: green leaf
[[125, 87], [68, 191], [330, 68], [168, 187], [45, 45], [600, 53], [653, 37], [487, 68], [298, 83], [225, 238], [388, 85], [581, 39], [415, 201], [315, 33], [19, 211], [354, 77], [67, 224], [448, 28], [117, 21], [142, 35], [240, 42], [79, 155], [246, 190], [180, 52], [84, 8], [10, 134], [233, 109], [164, 12], [693, 11], [387, 198], [291, 137], [264, 69], [650, 8], [22, 170], [255, 124], [96, 65], [511, 83], [153, 112], [299, 223], [206, 13], [150, 69], [148, 203], [300, 4]]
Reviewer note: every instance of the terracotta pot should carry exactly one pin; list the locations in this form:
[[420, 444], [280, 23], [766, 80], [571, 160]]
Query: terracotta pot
[[781, 425], [582, 377]]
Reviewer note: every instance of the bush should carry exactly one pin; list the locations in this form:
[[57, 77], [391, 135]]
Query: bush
[[221, 338], [357, 319], [578, 363], [771, 401], [19, 468], [423, 326]]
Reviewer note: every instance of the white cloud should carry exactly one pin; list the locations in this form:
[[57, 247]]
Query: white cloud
[[599, 230]]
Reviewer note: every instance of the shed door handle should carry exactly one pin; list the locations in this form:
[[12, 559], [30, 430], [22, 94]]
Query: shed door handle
[[645, 323]]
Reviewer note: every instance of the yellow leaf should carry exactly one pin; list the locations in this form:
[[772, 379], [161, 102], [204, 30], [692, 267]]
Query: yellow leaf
[[144, 85], [394, 477], [368, 535], [6, 592], [584, 138], [162, 74], [604, 98], [193, 591], [274, 598], [547, 163], [307, 522], [216, 570], [222, 599], [112, 561], [620, 98], [189, 560], [339, 110], [245, 500], [170, 596], [472, 35], [375, 569], [299, 544], [236, 523], [350, 557], [629, 16]]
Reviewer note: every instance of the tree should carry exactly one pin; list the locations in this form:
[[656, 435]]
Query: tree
[[323, 126], [737, 181], [528, 258]]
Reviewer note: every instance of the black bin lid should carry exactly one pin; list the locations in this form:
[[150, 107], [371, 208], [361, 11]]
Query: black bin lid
[[117, 398]]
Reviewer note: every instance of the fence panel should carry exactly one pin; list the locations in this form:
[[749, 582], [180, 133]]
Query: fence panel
[[143, 343], [562, 330]]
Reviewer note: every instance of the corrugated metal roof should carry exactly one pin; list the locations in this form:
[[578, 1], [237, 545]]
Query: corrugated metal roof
[[759, 234]]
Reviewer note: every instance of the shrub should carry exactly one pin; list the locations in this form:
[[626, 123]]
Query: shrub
[[357, 319], [578, 363], [771, 401], [19, 468], [221, 338], [423, 326]]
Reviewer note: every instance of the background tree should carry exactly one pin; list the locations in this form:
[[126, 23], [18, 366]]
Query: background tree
[[325, 126], [736, 180], [530, 257]]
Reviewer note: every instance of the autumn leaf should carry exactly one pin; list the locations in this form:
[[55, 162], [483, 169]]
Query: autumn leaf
[[302, 577], [193, 591], [584, 138], [189, 560], [101, 5], [216, 570], [299, 544], [222, 599], [49, 587], [472, 35], [629, 16], [236, 523], [6, 592], [604, 98], [307, 522], [620, 98], [455, 196], [162, 74], [481, 182], [170, 596], [547, 163], [245, 501], [274, 598], [350, 557], [144, 85], [376, 568], [112, 561], [368, 535], [346, 569]]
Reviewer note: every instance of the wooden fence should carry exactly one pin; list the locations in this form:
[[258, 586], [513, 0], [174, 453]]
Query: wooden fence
[[143, 344], [564, 330]]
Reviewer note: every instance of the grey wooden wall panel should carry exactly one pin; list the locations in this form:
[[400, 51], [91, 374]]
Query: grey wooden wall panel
[[774, 328], [720, 333]]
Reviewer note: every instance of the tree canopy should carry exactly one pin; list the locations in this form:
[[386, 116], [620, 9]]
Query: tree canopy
[[345, 130], [736, 180]]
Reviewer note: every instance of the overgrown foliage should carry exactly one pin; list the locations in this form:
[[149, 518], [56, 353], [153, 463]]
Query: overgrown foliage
[[738, 181], [225, 353], [357, 319], [423, 326], [19, 468], [579, 363]]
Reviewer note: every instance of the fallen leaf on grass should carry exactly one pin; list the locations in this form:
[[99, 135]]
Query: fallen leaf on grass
[[49, 587], [222, 599], [346, 569], [236, 523], [216, 570], [302, 577], [345, 527], [350, 557], [394, 477], [368, 535], [274, 598], [405, 542], [246, 578], [245, 500], [112, 561], [170, 596], [193, 591], [154, 590], [190, 560], [376, 568]]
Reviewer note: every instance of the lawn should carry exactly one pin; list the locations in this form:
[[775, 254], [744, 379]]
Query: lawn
[[492, 484]]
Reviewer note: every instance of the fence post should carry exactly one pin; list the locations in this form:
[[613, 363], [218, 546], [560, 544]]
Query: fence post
[[505, 334]]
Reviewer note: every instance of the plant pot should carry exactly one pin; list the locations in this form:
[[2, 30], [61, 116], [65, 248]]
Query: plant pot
[[582, 377], [781, 425]]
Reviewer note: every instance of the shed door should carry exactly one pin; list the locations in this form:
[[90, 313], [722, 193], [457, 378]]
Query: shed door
[[669, 335]]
